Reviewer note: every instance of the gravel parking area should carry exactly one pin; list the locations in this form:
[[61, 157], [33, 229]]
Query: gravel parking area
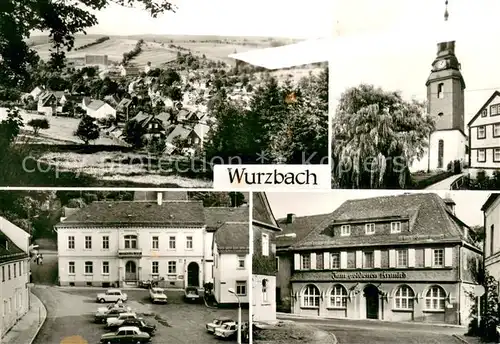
[[70, 317]]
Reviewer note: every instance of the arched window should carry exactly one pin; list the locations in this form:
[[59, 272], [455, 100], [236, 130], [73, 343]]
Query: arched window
[[264, 290], [404, 298], [310, 296], [130, 241], [338, 297], [435, 298]]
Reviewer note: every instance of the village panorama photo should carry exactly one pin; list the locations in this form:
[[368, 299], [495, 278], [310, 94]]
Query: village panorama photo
[[124, 267], [156, 96], [414, 108]]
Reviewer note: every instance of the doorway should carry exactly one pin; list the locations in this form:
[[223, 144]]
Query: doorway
[[372, 301], [130, 271], [193, 271]]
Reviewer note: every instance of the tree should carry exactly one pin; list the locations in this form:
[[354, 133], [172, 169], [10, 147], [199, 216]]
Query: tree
[[134, 134], [39, 123], [376, 137], [87, 130]]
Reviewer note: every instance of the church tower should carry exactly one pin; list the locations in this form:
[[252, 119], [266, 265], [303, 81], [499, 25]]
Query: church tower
[[445, 104]]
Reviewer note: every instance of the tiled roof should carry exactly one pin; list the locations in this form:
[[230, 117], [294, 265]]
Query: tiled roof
[[8, 250], [216, 216], [430, 221], [233, 237], [130, 212], [301, 227]]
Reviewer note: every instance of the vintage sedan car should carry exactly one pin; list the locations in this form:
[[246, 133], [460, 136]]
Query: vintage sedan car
[[126, 335], [228, 330], [139, 323], [191, 294], [157, 295], [118, 321], [102, 317], [112, 295], [217, 323]]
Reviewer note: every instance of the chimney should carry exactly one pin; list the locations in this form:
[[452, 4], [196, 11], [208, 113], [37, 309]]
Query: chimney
[[449, 203], [290, 218], [159, 198]]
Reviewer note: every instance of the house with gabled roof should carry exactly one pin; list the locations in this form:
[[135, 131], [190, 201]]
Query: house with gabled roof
[[395, 258], [484, 136], [15, 270]]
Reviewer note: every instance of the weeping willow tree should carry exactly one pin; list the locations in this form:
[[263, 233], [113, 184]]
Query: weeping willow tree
[[376, 137]]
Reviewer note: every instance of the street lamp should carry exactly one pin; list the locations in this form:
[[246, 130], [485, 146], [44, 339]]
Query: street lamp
[[231, 290]]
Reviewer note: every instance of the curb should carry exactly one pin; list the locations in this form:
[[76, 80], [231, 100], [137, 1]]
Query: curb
[[44, 317]]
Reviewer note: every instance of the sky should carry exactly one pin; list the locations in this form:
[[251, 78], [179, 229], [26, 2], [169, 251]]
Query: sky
[[279, 18], [468, 203], [392, 44]]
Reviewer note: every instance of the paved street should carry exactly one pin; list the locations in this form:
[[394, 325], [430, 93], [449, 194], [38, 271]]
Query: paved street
[[378, 332], [70, 314]]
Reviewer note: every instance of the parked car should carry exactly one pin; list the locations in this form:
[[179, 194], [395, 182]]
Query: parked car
[[139, 323], [113, 306], [157, 295], [228, 330], [191, 294], [112, 295], [118, 321], [102, 317], [126, 335], [217, 323]]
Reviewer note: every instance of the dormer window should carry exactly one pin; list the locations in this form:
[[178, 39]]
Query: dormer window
[[345, 230], [395, 227], [370, 228]]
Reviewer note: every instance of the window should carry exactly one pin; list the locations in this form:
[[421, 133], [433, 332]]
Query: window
[[155, 268], [484, 112], [440, 90], [71, 242], [89, 268], [319, 261], [172, 267], [435, 299], [496, 130], [402, 258], [481, 132], [369, 260], [495, 110], [155, 243], [338, 297], [492, 240], [105, 268], [404, 298], [71, 268], [265, 297], [241, 288], [370, 228], [310, 296], [335, 261], [265, 244], [130, 241], [481, 155], [305, 261], [88, 242], [241, 262], [395, 227], [345, 230], [438, 258], [189, 242], [496, 155], [171, 242], [105, 242]]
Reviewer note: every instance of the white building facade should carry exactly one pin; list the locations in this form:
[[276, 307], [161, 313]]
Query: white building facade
[[14, 266]]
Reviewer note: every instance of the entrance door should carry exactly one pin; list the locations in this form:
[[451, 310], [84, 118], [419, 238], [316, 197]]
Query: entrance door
[[372, 301], [193, 275], [130, 271]]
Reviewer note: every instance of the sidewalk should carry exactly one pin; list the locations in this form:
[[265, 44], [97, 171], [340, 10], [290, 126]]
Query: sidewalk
[[27, 328]]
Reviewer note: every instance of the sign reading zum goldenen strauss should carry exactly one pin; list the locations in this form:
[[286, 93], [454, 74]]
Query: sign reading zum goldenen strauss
[[368, 275]]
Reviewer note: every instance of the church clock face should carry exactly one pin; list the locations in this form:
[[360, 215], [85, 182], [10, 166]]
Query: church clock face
[[441, 64]]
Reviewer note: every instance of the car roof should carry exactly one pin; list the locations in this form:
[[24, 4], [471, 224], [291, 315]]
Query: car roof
[[128, 328]]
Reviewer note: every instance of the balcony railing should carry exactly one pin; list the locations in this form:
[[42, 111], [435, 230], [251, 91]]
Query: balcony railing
[[129, 253]]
